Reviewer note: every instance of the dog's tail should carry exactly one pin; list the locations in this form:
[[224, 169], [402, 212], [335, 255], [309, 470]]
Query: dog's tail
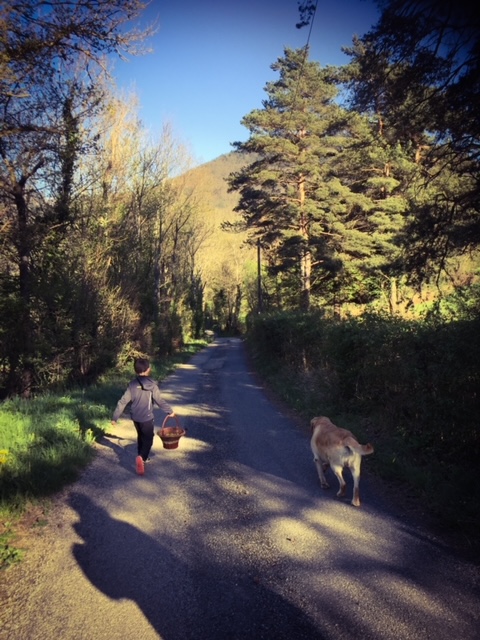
[[354, 446]]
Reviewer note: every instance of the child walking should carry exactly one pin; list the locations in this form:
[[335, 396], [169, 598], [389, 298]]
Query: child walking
[[141, 393]]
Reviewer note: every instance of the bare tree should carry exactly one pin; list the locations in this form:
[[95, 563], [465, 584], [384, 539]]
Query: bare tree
[[51, 55]]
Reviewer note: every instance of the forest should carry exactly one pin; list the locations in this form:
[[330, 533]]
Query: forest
[[356, 192], [341, 239]]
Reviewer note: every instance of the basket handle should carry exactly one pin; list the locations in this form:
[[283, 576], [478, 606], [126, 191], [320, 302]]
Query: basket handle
[[169, 417]]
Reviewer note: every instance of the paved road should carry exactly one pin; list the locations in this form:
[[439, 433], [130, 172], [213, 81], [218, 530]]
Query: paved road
[[229, 537]]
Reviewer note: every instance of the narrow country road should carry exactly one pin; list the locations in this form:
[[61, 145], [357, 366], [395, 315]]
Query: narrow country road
[[229, 537]]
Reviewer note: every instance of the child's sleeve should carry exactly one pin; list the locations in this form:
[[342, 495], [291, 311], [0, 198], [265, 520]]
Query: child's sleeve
[[121, 404]]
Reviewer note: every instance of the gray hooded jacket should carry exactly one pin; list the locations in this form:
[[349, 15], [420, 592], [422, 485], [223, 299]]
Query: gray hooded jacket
[[141, 394]]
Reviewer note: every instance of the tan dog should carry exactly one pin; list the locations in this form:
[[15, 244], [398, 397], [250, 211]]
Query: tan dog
[[337, 448]]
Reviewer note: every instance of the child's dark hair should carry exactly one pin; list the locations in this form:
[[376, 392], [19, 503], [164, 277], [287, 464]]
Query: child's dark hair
[[141, 365]]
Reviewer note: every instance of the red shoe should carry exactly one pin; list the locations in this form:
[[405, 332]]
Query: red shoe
[[140, 465]]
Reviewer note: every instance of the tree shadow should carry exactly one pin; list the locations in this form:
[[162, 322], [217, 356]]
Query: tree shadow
[[214, 599]]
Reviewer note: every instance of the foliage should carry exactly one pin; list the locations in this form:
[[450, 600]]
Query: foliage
[[117, 273], [9, 554], [416, 74], [224, 261], [112, 245], [358, 191], [416, 383], [291, 138], [51, 92], [326, 195]]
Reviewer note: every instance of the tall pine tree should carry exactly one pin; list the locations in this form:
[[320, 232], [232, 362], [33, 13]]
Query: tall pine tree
[[320, 198], [417, 73], [292, 136]]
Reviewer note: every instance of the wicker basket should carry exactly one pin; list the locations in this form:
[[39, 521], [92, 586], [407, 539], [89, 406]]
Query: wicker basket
[[170, 436]]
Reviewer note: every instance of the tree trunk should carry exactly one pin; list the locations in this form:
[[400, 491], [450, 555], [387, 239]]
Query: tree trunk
[[21, 380], [306, 271], [306, 256], [393, 296], [259, 279]]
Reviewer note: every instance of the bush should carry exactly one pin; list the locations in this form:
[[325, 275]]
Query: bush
[[415, 382]]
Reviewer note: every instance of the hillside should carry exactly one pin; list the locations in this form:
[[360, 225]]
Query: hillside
[[209, 183], [224, 260]]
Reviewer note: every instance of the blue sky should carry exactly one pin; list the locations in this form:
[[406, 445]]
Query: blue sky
[[211, 60]]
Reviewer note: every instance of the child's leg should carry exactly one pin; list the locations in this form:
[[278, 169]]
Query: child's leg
[[144, 438], [137, 426]]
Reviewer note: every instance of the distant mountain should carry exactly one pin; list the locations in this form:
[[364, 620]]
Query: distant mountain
[[224, 259], [209, 180]]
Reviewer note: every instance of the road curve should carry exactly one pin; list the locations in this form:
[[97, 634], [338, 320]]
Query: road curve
[[229, 537]]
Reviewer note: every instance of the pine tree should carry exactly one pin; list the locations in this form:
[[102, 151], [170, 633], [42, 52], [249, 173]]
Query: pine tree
[[417, 73], [292, 136], [321, 197]]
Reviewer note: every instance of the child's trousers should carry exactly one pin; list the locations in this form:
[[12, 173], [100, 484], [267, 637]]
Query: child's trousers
[[144, 438]]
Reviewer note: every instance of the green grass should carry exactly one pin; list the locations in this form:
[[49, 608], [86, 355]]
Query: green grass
[[8, 553], [46, 441]]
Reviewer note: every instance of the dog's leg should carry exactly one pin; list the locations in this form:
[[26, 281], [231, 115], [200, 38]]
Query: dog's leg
[[323, 481], [338, 471], [355, 469]]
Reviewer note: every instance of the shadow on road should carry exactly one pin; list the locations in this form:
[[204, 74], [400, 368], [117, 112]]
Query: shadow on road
[[262, 535], [180, 600]]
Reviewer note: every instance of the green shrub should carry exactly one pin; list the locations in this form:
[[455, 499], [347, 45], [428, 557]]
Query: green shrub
[[415, 382]]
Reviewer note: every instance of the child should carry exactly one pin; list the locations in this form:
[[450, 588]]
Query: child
[[141, 393]]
